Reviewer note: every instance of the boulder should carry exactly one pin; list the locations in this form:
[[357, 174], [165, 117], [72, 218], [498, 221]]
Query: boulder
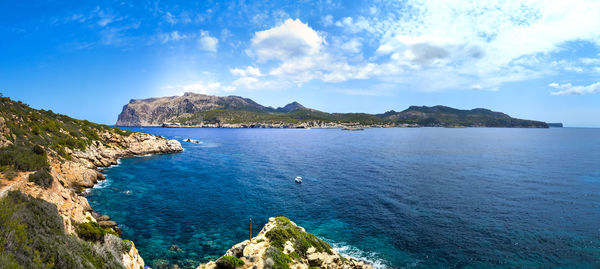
[[103, 218], [107, 224]]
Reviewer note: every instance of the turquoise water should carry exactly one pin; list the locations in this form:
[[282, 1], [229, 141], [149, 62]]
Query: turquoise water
[[427, 197]]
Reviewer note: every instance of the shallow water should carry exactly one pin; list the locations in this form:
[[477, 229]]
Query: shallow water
[[426, 197]]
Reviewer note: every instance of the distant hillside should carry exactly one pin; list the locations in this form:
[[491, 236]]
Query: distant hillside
[[444, 116], [193, 109]]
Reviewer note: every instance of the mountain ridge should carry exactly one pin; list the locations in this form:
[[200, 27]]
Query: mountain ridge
[[200, 110]]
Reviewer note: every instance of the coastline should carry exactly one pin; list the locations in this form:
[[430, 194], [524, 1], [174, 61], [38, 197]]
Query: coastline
[[73, 176], [341, 127]]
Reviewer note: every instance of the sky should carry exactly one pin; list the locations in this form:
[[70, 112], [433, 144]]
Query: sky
[[530, 59]]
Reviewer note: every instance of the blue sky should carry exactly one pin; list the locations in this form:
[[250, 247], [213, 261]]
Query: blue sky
[[531, 59]]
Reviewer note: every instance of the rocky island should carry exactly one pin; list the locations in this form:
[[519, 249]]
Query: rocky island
[[200, 110]]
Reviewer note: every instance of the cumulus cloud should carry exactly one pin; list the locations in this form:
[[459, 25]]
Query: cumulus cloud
[[430, 45], [207, 42], [480, 39], [292, 39], [568, 89]]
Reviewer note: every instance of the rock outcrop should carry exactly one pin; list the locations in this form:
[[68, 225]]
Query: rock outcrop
[[283, 244], [157, 111]]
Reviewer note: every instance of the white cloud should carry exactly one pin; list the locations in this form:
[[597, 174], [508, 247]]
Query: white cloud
[[480, 39], [292, 39], [249, 71], [207, 42], [327, 20], [170, 18], [353, 45], [430, 45], [172, 36], [568, 89], [590, 61], [197, 87]]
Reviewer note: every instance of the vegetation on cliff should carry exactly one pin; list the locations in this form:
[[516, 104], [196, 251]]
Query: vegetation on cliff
[[30, 134], [57, 230], [32, 236]]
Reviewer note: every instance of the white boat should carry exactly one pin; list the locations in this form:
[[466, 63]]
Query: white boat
[[298, 179]]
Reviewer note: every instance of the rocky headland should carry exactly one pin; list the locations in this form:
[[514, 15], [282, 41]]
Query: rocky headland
[[282, 244], [54, 158]]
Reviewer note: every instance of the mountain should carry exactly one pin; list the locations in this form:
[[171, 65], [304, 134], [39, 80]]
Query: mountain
[[201, 110], [46, 161], [157, 111], [451, 117], [193, 109]]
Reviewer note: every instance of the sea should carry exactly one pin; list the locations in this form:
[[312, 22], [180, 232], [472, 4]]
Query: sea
[[396, 197]]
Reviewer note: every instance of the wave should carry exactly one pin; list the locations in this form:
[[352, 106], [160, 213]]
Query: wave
[[113, 165], [354, 252], [99, 185]]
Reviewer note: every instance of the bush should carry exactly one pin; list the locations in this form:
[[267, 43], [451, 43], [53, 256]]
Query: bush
[[37, 149], [42, 178], [301, 240], [280, 260], [32, 236], [229, 262], [22, 158], [91, 231]]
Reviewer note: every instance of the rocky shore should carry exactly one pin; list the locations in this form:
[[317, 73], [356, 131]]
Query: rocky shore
[[80, 171], [283, 125], [283, 244]]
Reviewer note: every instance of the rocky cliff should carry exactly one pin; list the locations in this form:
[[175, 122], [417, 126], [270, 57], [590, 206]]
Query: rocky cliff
[[283, 244], [157, 111], [54, 158]]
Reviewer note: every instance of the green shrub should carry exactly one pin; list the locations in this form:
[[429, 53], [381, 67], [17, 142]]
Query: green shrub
[[37, 149], [32, 236], [42, 178], [280, 260], [286, 231], [22, 158], [91, 231], [229, 262]]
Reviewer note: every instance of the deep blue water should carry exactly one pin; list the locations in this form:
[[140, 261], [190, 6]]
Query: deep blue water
[[427, 197]]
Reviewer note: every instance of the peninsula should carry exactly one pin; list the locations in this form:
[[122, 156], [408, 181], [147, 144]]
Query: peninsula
[[199, 110]]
